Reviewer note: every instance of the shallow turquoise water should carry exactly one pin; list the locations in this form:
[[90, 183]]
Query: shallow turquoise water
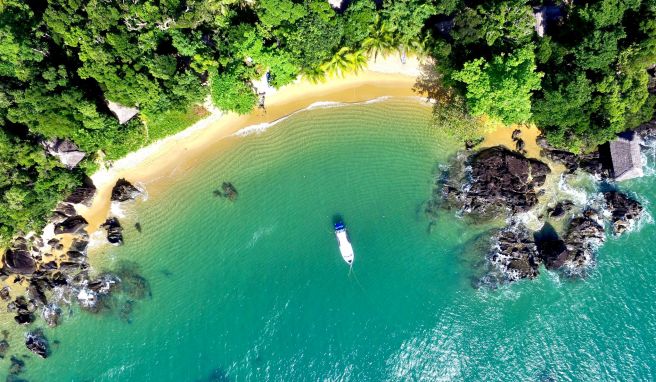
[[255, 290]]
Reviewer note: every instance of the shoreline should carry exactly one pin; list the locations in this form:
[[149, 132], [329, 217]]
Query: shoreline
[[162, 160]]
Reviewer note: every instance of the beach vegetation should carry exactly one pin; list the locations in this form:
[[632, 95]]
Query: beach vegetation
[[61, 62]]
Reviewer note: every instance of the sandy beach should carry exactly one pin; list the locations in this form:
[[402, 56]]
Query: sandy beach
[[155, 164]]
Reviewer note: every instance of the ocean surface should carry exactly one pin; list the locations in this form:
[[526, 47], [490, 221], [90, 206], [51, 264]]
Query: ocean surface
[[255, 289]]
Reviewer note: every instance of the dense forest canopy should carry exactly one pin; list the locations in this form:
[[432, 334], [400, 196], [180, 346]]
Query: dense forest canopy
[[61, 61]]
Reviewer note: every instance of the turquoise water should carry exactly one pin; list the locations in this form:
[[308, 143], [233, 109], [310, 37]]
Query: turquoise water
[[255, 290]]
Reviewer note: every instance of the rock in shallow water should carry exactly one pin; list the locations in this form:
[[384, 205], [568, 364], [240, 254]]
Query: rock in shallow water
[[114, 231], [515, 253], [124, 191], [624, 211], [502, 179], [583, 235], [37, 343]]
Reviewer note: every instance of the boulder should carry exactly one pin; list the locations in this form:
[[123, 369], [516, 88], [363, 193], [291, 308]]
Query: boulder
[[82, 195], [551, 248], [73, 224], [18, 259], [66, 209], [37, 343], [624, 211], [569, 160], [123, 113], [560, 209], [114, 231], [124, 191], [66, 151], [4, 294], [515, 253], [502, 179]]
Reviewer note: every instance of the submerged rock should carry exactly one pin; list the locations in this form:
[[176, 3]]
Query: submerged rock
[[228, 191], [515, 253], [624, 211], [500, 179], [124, 191], [114, 231], [37, 343], [17, 366], [4, 347]]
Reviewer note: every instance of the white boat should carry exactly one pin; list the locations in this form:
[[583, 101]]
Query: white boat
[[345, 247]]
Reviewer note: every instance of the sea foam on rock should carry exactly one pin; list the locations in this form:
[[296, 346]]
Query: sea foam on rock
[[124, 191], [499, 179], [624, 211], [497, 182], [515, 253]]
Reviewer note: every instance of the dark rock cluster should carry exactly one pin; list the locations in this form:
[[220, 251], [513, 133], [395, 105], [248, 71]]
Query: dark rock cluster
[[54, 276], [499, 180], [595, 163], [227, 191], [114, 231], [624, 211], [515, 253]]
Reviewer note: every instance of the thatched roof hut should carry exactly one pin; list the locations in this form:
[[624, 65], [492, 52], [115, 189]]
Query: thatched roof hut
[[626, 157]]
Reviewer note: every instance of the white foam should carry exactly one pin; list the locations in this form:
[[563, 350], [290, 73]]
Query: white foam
[[256, 129]]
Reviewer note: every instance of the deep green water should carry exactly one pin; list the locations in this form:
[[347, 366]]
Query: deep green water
[[255, 290]]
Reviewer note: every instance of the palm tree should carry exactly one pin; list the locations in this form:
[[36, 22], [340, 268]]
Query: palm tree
[[413, 45], [381, 38], [345, 61], [315, 75]]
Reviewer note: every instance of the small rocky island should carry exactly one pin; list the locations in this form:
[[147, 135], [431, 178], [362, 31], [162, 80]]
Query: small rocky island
[[499, 183]]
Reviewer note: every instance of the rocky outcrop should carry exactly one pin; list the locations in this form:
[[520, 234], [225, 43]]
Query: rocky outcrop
[[592, 163], [500, 179], [624, 211], [647, 130], [72, 225], [114, 231], [124, 191], [515, 253], [66, 151], [582, 237], [37, 343]]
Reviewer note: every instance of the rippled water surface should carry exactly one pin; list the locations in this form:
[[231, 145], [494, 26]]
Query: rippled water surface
[[255, 290]]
